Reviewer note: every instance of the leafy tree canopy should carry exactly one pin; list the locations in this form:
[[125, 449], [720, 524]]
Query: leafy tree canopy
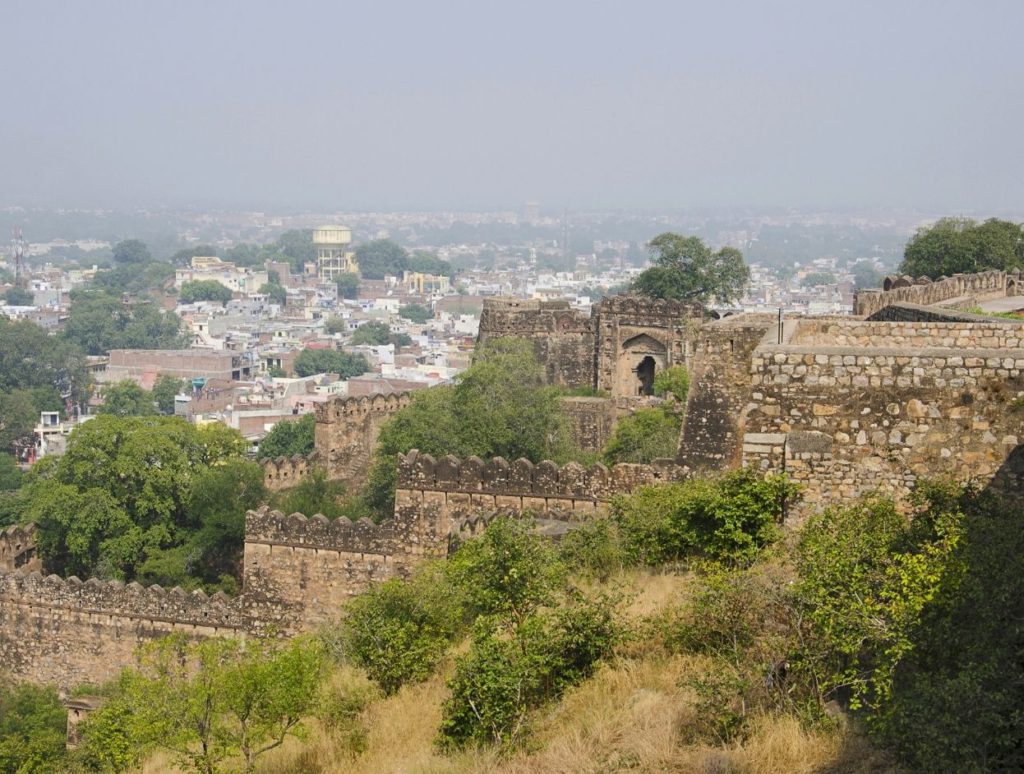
[[164, 391], [428, 263], [380, 257], [815, 278], [204, 290], [348, 285], [500, 406], [962, 245], [184, 256], [132, 251], [375, 333], [686, 269], [19, 297], [120, 495], [330, 361], [416, 313], [33, 729], [286, 439], [336, 325], [644, 436], [127, 399], [99, 322], [275, 292]]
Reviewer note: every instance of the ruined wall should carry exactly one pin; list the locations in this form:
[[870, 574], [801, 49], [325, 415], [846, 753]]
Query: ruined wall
[[847, 420], [18, 549], [284, 472], [298, 571], [979, 333], [916, 313], [720, 386], [347, 430], [68, 632], [563, 338], [971, 288], [454, 490]]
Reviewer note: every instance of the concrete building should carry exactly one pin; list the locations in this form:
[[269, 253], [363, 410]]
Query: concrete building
[[334, 255], [143, 366]]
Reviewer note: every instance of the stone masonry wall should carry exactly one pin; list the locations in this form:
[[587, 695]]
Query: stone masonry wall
[[916, 313], [346, 431], [975, 333], [563, 338], [844, 421], [68, 632], [18, 549], [970, 287], [454, 490]]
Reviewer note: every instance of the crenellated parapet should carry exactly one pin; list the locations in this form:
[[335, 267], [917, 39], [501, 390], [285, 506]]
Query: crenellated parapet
[[18, 548], [967, 289], [317, 532], [343, 409], [523, 478], [128, 601], [285, 472], [646, 310]]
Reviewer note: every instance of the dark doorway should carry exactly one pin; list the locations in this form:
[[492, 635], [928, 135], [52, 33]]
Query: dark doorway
[[645, 373]]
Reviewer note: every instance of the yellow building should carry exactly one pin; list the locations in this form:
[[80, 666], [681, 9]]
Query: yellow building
[[334, 255], [425, 284]]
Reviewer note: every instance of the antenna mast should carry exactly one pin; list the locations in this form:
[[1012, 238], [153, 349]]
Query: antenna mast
[[18, 251]]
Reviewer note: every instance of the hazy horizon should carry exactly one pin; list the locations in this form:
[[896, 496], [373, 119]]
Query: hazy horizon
[[401, 106]]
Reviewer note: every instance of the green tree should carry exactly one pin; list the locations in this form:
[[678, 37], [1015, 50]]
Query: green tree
[[674, 380], [275, 292], [348, 285], [399, 630], [18, 417], [686, 269], [19, 297], [380, 257], [287, 439], [316, 494], [297, 248], [33, 730], [10, 475], [374, 333], [119, 496], [866, 276], [204, 290], [500, 406], [428, 263], [729, 519], [962, 245], [127, 399], [131, 251], [184, 256], [336, 325], [643, 436], [815, 278], [320, 361], [415, 313], [165, 389], [99, 322], [31, 359], [208, 701]]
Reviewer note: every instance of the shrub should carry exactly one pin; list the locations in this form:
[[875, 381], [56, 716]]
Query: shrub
[[643, 436], [32, 729], [593, 549], [675, 380], [729, 519], [399, 630]]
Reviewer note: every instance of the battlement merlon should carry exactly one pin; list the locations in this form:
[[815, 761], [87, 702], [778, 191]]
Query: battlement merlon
[[522, 478], [318, 532]]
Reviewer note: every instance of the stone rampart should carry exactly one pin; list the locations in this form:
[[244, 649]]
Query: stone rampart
[[918, 314], [285, 472], [844, 421], [454, 489], [18, 549], [971, 288], [347, 430], [974, 332], [69, 632], [712, 433]]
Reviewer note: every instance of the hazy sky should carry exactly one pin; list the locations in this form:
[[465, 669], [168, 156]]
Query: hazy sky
[[480, 105]]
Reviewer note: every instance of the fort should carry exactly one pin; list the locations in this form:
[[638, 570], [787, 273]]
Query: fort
[[912, 386]]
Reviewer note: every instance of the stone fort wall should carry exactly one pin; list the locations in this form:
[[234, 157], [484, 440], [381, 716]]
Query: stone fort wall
[[345, 435], [966, 289]]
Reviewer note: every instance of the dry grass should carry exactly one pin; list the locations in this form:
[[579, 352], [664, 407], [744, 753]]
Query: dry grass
[[631, 716]]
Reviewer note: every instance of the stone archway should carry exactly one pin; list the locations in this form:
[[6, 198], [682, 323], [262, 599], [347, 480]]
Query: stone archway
[[645, 373], [641, 357]]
